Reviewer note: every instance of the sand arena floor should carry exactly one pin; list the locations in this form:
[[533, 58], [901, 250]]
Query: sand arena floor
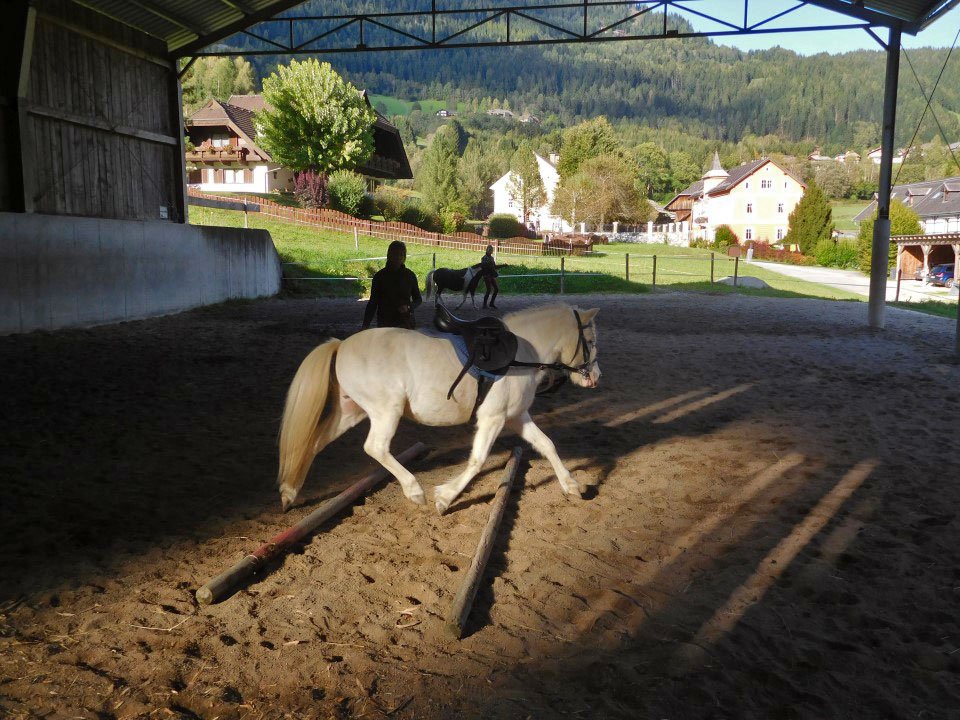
[[771, 531]]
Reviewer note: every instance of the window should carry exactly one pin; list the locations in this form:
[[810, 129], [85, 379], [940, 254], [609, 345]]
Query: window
[[749, 208], [780, 208], [748, 185], [241, 176], [748, 234], [208, 175], [766, 184], [220, 140], [229, 176], [779, 233]]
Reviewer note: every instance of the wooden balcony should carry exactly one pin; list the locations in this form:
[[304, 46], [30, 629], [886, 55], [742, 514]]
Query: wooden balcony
[[225, 154]]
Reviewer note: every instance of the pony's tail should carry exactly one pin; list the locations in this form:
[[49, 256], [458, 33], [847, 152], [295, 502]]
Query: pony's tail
[[309, 421], [429, 288]]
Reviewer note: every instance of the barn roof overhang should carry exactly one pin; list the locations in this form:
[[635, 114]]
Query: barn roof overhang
[[199, 27]]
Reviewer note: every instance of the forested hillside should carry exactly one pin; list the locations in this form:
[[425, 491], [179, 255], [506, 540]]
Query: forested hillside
[[690, 87]]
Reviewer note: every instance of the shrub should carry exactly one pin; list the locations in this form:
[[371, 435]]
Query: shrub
[[414, 213], [838, 254], [724, 237], [389, 203], [503, 225], [311, 189], [347, 190], [764, 251], [452, 219]]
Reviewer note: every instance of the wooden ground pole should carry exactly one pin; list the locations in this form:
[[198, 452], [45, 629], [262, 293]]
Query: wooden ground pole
[[224, 584], [463, 602]]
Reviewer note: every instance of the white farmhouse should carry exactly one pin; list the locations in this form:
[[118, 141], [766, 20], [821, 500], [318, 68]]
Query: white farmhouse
[[540, 218]]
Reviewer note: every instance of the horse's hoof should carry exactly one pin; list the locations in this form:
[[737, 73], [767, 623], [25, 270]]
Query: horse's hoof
[[287, 497], [441, 507], [418, 498]]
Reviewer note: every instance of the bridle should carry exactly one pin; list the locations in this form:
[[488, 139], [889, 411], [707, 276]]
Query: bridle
[[583, 369]]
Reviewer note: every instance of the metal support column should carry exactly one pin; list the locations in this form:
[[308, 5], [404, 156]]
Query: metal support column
[[881, 228]]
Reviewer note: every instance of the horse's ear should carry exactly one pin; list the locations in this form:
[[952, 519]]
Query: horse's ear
[[588, 315]]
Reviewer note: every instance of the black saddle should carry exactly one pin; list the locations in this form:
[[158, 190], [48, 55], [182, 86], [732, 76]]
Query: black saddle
[[490, 346]]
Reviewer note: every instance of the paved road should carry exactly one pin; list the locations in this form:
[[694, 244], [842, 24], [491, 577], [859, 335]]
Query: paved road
[[856, 282]]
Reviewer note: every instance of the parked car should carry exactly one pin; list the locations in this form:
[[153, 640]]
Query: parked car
[[941, 275]]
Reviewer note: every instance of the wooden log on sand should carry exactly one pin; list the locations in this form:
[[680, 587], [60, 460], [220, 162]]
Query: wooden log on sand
[[463, 602], [223, 584]]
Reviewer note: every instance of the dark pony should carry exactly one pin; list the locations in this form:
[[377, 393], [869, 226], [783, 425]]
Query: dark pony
[[459, 280]]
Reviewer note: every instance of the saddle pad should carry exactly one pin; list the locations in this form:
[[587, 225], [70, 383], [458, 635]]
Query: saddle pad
[[460, 345]]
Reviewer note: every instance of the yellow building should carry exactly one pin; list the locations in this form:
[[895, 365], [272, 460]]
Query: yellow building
[[754, 199]]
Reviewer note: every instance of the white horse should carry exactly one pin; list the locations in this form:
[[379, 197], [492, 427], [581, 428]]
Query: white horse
[[389, 373]]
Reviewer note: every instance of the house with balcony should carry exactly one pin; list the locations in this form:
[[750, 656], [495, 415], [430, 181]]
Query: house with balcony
[[754, 199], [223, 155]]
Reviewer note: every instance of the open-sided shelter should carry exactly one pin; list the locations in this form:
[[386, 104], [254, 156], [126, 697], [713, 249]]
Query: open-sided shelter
[[93, 205]]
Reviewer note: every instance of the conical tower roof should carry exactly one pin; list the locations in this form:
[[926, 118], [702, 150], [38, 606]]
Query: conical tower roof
[[716, 171]]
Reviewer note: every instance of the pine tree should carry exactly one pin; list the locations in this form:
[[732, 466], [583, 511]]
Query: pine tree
[[811, 220], [526, 185], [437, 175]]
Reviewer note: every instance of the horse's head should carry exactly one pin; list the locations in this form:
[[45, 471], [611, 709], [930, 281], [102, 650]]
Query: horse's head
[[579, 349], [563, 337]]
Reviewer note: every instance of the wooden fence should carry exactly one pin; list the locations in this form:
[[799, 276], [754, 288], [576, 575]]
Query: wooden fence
[[334, 220]]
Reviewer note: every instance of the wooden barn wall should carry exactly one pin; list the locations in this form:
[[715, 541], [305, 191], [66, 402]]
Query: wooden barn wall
[[102, 133]]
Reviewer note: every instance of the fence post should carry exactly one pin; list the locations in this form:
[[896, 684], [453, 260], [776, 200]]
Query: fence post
[[736, 269], [562, 272], [897, 296], [654, 270], [628, 266], [356, 239], [711, 267], [434, 261]]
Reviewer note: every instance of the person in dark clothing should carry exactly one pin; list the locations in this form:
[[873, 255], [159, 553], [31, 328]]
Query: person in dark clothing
[[395, 292], [488, 271]]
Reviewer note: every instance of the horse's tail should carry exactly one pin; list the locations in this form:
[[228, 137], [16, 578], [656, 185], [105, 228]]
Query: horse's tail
[[429, 288], [309, 421]]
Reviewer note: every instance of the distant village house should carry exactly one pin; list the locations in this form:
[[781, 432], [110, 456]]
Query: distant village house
[[540, 219], [225, 156], [754, 199]]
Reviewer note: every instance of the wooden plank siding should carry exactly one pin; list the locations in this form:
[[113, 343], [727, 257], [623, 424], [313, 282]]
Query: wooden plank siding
[[101, 113]]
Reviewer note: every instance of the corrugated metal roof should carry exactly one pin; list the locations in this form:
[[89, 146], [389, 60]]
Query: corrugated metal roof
[[181, 23]]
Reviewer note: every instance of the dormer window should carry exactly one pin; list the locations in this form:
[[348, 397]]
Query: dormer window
[[220, 140]]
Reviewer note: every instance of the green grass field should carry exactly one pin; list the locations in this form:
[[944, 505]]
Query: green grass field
[[844, 211], [328, 258]]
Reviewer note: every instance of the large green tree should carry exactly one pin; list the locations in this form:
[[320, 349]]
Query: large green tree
[[612, 192], [316, 121], [437, 175], [811, 220], [587, 140], [526, 185], [903, 221], [653, 169]]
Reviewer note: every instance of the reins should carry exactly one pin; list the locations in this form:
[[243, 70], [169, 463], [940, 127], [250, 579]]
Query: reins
[[583, 368]]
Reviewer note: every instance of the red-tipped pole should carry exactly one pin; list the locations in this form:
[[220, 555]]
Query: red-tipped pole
[[223, 585]]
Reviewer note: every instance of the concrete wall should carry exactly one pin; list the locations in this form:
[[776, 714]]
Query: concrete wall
[[59, 271]]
